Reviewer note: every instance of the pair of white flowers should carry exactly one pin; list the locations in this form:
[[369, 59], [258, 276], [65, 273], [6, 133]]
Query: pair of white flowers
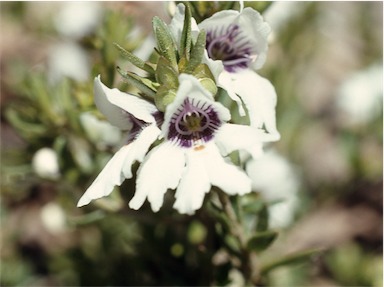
[[194, 132]]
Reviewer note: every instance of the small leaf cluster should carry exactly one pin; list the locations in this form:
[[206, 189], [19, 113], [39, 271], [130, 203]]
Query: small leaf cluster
[[171, 59]]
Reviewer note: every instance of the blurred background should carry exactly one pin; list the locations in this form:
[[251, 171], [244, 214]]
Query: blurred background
[[325, 174]]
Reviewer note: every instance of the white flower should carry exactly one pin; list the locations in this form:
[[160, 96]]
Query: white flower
[[127, 112], [77, 19], [276, 179], [68, 59], [196, 136], [46, 164], [239, 41], [53, 217], [359, 98]]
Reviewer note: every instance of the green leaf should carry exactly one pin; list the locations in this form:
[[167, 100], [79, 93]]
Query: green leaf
[[146, 86], [263, 219], [186, 39], [166, 74], [27, 129], [134, 59], [164, 96], [290, 259], [255, 206], [261, 241], [165, 44], [197, 52]]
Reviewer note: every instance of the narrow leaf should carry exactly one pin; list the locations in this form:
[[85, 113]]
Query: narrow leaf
[[197, 52], [186, 39], [144, 85], [26, 128], [290, 259], [260, 241], [263, 219], [165, 43], [134, 59]]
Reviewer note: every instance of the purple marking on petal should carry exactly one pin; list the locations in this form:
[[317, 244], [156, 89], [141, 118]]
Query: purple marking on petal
[[193, 124], [230, 46], [138, 125], [159, 118]]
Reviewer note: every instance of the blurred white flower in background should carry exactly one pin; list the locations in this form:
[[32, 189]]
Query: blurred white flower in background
[[77, 19], [280, 13], [100, 132], [53, 218], [275, 178], [45, 163], [359, 97], [74, 20], [68, 59]]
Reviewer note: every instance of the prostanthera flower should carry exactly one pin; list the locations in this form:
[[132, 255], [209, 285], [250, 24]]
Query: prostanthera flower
[[127, 112], [239, 41], [190, 159]]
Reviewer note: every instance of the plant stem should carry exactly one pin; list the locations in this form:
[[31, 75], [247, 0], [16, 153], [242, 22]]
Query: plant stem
[[248, 259]]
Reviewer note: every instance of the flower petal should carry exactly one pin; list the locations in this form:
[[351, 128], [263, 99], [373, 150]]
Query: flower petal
[[220, 19], [231, 137], [111, 101], [161, 169], [108, 178], [194, 184], [230, 178], [225, 82], [140, 147], [260, 100], [216, 66], [253, 24]]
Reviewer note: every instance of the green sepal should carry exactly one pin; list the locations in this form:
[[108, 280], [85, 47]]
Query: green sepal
[[166, 74], [182, 65], [164, 96], [186, 39], [204, 74], [289, 259], [203, 71], [197, 52], [165, 44], [146, 86], [134, 59], [261, 241], [209, 85]]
